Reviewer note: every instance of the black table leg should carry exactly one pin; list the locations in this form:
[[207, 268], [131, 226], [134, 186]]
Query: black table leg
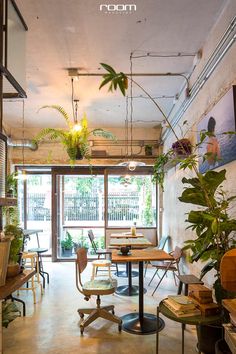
[[128, 290], [124, 273], [141, 322]]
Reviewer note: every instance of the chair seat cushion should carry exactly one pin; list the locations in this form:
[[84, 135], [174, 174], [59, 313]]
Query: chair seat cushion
[[100, 284], [101, 263]]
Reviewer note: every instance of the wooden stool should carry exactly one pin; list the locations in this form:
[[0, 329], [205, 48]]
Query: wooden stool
[[104, 263], [186, 280], [32, 264]]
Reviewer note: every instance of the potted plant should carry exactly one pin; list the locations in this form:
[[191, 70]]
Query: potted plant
[[67, 245], [75, 138], [15, 233], [10, 312], [148, 150]]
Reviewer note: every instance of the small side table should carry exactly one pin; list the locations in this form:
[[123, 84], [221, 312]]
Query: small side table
[[194, 320]]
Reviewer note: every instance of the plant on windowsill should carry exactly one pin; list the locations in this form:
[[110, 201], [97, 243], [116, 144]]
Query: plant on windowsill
[[67, 245], [75, 138], [215, 228]]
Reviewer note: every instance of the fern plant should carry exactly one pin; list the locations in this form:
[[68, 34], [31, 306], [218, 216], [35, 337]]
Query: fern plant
[[74, 140]]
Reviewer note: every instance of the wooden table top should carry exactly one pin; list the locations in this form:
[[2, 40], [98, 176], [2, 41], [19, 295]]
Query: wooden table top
[[126, 235], [133, 242], [12, 284], [142, 255]]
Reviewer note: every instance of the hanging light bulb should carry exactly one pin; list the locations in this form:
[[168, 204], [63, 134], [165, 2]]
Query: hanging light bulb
[[77, 127]]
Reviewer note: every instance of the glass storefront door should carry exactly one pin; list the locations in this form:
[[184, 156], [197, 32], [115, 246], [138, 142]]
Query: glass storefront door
[[79, 204]]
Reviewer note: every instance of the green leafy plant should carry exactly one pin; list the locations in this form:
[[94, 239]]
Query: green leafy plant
[[11, 213], [10, 312], [16, 234], [75, 139], [68, 243], [214, 227]]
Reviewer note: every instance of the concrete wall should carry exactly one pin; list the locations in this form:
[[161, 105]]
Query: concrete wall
[[218, 84]]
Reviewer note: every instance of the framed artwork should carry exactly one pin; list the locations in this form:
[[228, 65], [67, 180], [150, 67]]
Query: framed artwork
[[222, 118]]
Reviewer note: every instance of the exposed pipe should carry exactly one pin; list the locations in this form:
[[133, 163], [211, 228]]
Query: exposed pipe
[[23, 143], [225, 43]]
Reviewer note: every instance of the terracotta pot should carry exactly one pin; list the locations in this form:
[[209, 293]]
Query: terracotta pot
[[13, 270]]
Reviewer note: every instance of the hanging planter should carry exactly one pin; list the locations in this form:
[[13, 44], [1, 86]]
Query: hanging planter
[[74, 153], [182, 147], [75, 138]]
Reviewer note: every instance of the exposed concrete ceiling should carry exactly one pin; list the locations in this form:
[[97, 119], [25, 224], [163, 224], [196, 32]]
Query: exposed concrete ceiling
[[74, 33]]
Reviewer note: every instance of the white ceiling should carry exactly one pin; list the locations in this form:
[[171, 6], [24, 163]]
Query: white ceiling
[[75, 33]]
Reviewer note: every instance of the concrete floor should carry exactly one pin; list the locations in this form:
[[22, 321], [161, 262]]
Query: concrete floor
[[52, 325]]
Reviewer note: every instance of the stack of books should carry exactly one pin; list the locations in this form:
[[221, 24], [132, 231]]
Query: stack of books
[[202, 296], [181, 306]]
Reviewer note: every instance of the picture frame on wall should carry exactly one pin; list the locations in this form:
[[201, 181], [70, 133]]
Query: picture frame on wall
[[221, 147]]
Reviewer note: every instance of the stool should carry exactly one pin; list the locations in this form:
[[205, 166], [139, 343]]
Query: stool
[[33, 264], [101, 263], [39, 251], [186, 280]]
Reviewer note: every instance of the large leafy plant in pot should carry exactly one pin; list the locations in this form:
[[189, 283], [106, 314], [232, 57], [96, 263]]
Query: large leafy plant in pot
[[75, 138], [215, 229]]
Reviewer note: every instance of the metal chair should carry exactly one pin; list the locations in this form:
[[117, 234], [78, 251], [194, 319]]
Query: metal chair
[[166, 266], [94, 287], [160, 246], [99, 252]]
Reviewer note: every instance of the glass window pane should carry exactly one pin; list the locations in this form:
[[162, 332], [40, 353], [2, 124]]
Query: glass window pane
[[80, 208], [39, 210], [131, 199]]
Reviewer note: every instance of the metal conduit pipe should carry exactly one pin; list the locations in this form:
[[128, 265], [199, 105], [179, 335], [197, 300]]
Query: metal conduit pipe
[[225, 43], [23, 143]]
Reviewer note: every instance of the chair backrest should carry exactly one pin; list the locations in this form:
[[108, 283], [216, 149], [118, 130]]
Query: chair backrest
[[177, 253], [82, 259], [162, 242], [91, 238]]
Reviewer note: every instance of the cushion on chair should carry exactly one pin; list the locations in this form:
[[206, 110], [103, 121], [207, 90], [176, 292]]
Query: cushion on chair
[[100, 284]]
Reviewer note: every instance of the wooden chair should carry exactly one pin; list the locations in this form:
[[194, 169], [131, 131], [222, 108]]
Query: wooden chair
[[166, 266], [94, 287], [160, 246]]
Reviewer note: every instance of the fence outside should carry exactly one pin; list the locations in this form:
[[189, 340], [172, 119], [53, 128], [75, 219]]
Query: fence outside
[[87, 207]]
